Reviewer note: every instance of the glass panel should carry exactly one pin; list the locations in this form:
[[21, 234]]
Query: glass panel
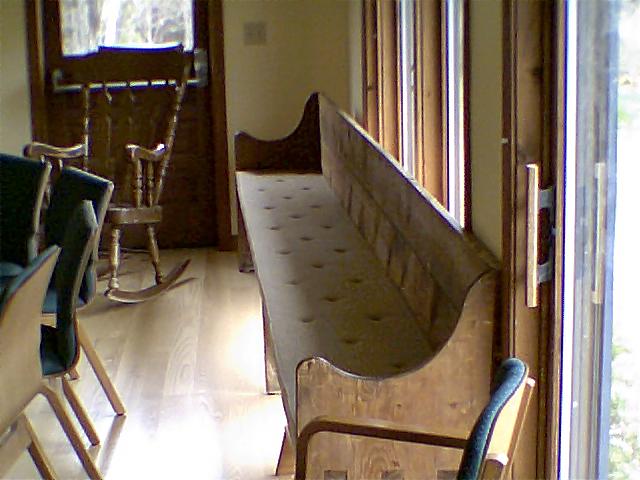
[[624, 421], [455, 108], [601, 412], [591, 188], [88, 24], [407, 84]]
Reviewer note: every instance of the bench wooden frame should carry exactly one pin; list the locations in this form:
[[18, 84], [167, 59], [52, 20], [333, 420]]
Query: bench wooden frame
[[447, 280]]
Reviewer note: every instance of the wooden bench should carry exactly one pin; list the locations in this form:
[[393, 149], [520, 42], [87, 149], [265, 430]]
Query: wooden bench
[[375, 302]]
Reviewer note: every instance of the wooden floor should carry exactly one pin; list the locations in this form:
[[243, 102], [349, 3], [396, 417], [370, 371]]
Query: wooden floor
[[189, 366]]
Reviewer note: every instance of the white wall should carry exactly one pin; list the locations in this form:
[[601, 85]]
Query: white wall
[[15, 115], [306, 50], [485, 30]]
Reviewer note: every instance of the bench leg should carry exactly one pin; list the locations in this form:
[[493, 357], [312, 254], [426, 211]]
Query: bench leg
[[270, 375], [245, 262], [287, 459]]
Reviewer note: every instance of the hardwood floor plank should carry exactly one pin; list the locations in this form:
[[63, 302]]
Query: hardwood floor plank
[[189, 367]]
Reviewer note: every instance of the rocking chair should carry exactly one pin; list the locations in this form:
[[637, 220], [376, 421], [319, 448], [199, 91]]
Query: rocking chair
[[128, 137]]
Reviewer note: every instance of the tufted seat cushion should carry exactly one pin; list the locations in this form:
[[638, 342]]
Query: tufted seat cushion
[[345, 309]]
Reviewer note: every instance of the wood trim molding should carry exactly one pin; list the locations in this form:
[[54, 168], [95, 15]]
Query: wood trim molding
[[33, 11], [370, 68], [466, 115], [429, 98], [528, 125], [219, 125], [388, 102]]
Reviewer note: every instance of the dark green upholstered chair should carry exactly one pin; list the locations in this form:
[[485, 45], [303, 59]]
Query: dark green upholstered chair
[[488, 451], [480, 459], [20, 318], [72, 187], [22, 186], [60, 345]]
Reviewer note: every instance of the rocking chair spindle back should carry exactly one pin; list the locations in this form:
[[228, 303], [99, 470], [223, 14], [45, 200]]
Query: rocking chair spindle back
[[129, 129]]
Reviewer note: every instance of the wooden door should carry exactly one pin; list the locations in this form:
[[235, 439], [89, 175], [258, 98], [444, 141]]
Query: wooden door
[[530, 122], [195, 196]]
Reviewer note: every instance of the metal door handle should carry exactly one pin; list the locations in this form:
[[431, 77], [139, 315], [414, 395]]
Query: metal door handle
[[536, 200], [601, 201], [533, 208]]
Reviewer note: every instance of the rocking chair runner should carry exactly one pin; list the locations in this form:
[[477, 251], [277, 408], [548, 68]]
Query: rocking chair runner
[[118, 149]]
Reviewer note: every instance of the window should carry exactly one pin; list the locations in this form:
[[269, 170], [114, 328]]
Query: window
[[455, 108], [88, 24], [416, 91]]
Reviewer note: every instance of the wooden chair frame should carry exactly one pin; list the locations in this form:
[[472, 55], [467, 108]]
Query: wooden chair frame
[[502, 443], [20, 307]]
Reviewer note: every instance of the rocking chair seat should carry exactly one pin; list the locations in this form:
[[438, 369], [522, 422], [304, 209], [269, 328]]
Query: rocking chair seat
[[131, 215]]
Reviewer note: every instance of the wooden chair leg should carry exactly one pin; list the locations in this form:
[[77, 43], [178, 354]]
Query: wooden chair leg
[[70, 432], [73, 374], [286, 460], [101, 373], [80, 412], [114, 258], [12, 445], [36, 452], [154, 252], [270, 374]]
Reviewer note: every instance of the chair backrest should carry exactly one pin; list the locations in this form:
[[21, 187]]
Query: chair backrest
[[131, 98], [20, 318], [490, 447], [71, 189], [58, 157], [22, 187], [77, 247]]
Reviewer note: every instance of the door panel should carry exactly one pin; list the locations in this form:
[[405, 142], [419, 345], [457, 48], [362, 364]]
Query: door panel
[[189, 196]]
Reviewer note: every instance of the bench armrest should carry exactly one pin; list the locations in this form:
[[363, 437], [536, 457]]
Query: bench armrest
[[299, 151], [367, 428]]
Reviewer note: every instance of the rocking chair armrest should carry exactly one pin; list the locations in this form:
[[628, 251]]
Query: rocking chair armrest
[[365, 427], [136, 153], [37, 150]]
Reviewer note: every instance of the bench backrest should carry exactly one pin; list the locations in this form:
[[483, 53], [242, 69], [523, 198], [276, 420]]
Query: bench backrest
[[425, 252]]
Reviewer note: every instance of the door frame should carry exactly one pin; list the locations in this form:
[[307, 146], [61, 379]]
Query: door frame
[[532, 116]]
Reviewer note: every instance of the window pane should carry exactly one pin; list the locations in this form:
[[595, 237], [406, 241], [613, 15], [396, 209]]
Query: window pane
[[624, 421], [88, 24], [407, 85], [600, 436], [455, 109]]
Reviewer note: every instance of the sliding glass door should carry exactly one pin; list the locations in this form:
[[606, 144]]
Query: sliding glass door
[[600, 433]]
